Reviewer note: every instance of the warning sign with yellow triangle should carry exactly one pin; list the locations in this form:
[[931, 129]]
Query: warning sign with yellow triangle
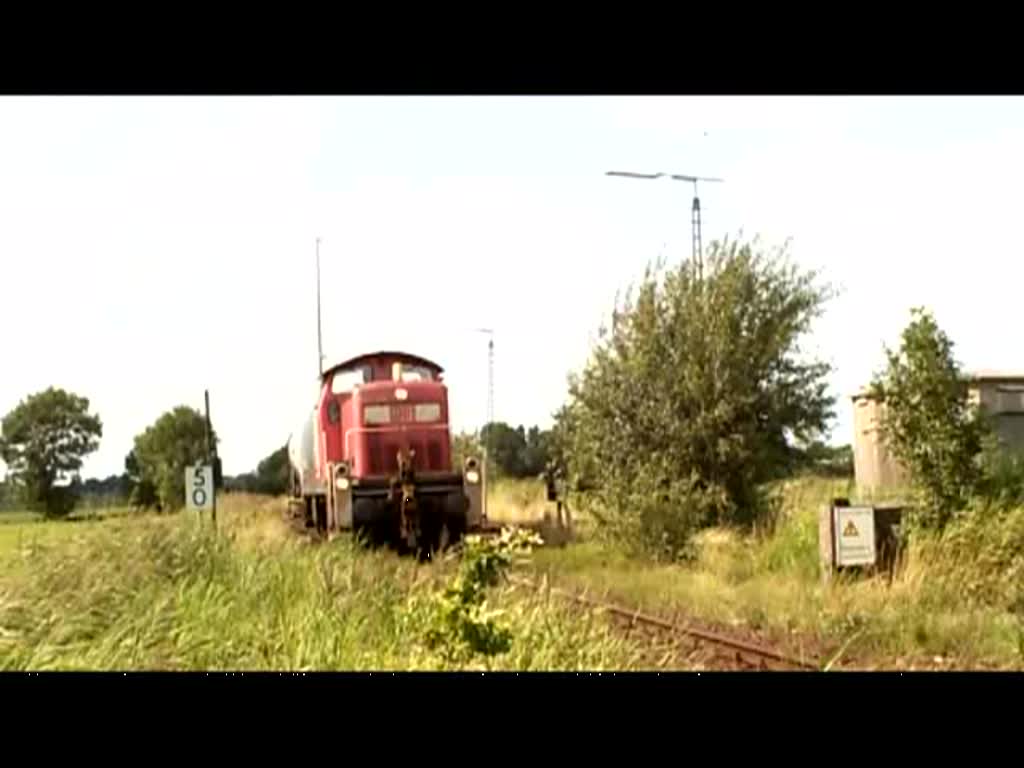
[[854, 533]]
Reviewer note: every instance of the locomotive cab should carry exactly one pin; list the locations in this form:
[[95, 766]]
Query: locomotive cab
[[384, 453]]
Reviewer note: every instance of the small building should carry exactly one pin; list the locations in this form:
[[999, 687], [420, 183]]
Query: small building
[[1000, 394], [874, 466]]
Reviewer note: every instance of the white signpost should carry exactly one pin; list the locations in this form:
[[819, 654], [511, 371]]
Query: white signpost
[[199, 487], [200, 493], [854, 535]]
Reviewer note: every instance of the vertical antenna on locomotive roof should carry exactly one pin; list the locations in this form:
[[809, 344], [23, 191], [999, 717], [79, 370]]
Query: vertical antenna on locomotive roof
[[319, 334]]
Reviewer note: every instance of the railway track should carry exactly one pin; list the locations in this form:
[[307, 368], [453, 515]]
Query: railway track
[[701, 648]]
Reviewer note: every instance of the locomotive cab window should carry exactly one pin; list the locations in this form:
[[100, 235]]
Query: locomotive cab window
[[416, 373], [345, 380]]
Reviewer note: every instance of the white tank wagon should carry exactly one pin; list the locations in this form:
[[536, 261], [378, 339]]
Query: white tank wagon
[[303, 458]]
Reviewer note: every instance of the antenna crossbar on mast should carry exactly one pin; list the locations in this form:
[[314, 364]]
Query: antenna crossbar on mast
[[695, 221]]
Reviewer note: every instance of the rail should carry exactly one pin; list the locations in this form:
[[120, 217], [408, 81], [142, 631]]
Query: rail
[[761, 654], [745, 654]]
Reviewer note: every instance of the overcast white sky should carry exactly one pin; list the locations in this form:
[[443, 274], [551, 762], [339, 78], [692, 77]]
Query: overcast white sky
[[154, 247]]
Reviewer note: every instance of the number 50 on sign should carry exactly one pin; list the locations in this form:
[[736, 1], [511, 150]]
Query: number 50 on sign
[[199, 487]]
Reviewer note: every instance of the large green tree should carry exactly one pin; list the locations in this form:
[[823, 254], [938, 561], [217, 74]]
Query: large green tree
[[929, 422], [537, 451], [695, 396], [142, 491], [43, 441], [161, 454], [516, 452], [505, 445], [272, 474]]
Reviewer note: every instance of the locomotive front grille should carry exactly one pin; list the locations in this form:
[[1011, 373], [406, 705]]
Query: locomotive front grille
[[382, 453], [375, 454], [434, 455]]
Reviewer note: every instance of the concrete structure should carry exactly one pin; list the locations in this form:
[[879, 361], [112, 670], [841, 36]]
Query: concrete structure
[[1001, 395], [873, 464]]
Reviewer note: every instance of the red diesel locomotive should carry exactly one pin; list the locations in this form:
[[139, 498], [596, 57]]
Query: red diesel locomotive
[[375, 456]]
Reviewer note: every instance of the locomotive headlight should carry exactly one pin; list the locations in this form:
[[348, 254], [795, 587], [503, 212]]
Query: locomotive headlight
[[472, 477], [341, 483]]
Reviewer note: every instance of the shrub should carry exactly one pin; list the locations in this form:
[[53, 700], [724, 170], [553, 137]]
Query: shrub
[[982, 552], [1003, 473], [929, 423], [695, 398], [458, 624]]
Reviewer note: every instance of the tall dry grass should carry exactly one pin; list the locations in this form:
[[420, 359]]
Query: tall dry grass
[[951, 604], [167, 593], [511, 500]]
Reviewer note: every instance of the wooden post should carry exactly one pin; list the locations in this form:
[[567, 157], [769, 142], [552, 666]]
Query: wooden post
[[826, 542], [211, 456], [827, 537], [485, 470]]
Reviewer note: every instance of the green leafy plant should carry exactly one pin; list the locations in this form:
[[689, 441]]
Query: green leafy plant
[[459, 623], [695, 397], [1003, 475], [929, 423], [982, 550]]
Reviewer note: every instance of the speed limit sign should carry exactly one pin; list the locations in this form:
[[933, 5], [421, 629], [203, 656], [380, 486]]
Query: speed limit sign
[[199, 487]]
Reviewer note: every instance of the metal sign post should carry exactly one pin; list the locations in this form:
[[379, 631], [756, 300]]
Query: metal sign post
[[212, 457], [200, 480]]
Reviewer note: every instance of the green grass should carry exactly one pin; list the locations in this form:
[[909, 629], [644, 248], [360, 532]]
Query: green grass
[[22, 527], [28, 530], [159, 592], [772, 583], [166, 593], [14, 516]]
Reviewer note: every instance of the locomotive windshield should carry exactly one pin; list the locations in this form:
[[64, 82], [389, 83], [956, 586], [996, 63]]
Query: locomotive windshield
[[345, 379], [416, 373]]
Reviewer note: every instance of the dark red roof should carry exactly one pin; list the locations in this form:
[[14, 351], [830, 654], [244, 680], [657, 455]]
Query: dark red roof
[[404, 357]]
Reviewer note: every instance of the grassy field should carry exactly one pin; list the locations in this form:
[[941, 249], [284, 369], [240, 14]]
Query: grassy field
[[20, 528], [26, 530], [772, 584], [161, 592], [165, 593]]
